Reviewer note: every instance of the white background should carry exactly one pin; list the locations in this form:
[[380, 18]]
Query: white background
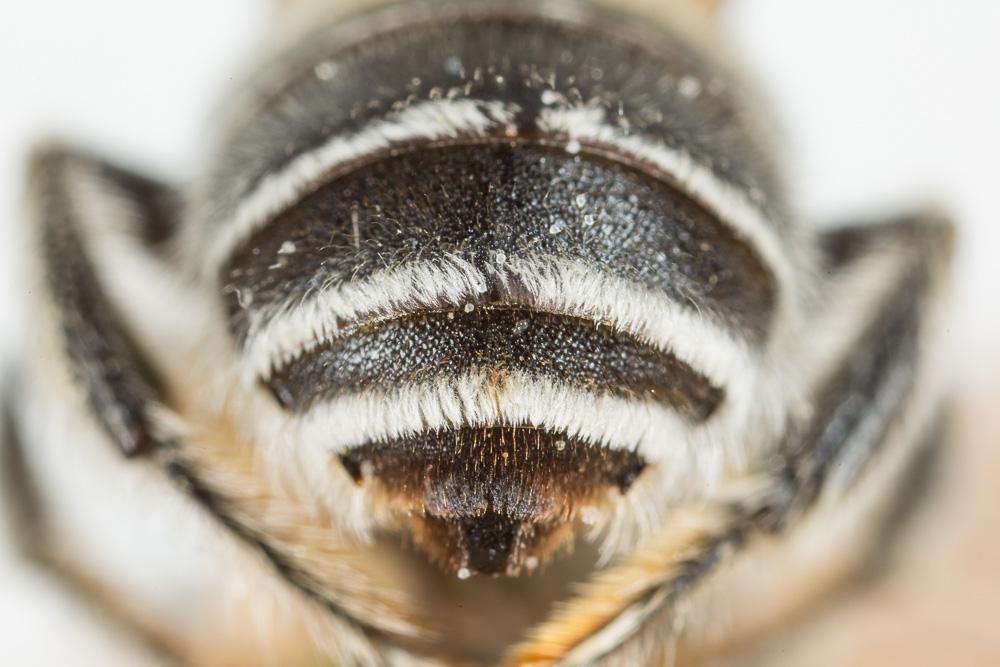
[[885, 103]]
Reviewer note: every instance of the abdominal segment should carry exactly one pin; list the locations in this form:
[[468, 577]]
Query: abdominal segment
[[586, 355], [492, 500]]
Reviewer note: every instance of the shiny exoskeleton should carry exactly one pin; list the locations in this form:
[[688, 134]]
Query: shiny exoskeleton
[[486, 336]]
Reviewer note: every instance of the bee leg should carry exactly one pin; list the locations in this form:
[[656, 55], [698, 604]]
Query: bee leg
[[69, 194], [101, 242], [79, 348], [869, 407], [881, 375]]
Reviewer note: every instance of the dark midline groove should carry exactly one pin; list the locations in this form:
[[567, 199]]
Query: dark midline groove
[[517, 489], [620, 218], [526, 138]]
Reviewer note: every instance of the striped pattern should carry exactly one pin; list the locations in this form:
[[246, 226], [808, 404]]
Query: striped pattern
[[441, 76], [541, 219], [537, 276], [555, 159], [445, 345]]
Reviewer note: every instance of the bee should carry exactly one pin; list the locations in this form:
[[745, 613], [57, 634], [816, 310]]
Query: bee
[[488, 335]]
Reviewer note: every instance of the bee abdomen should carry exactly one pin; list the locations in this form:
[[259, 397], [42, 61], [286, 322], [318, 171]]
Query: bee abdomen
[[495, 206], [379, 246]]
